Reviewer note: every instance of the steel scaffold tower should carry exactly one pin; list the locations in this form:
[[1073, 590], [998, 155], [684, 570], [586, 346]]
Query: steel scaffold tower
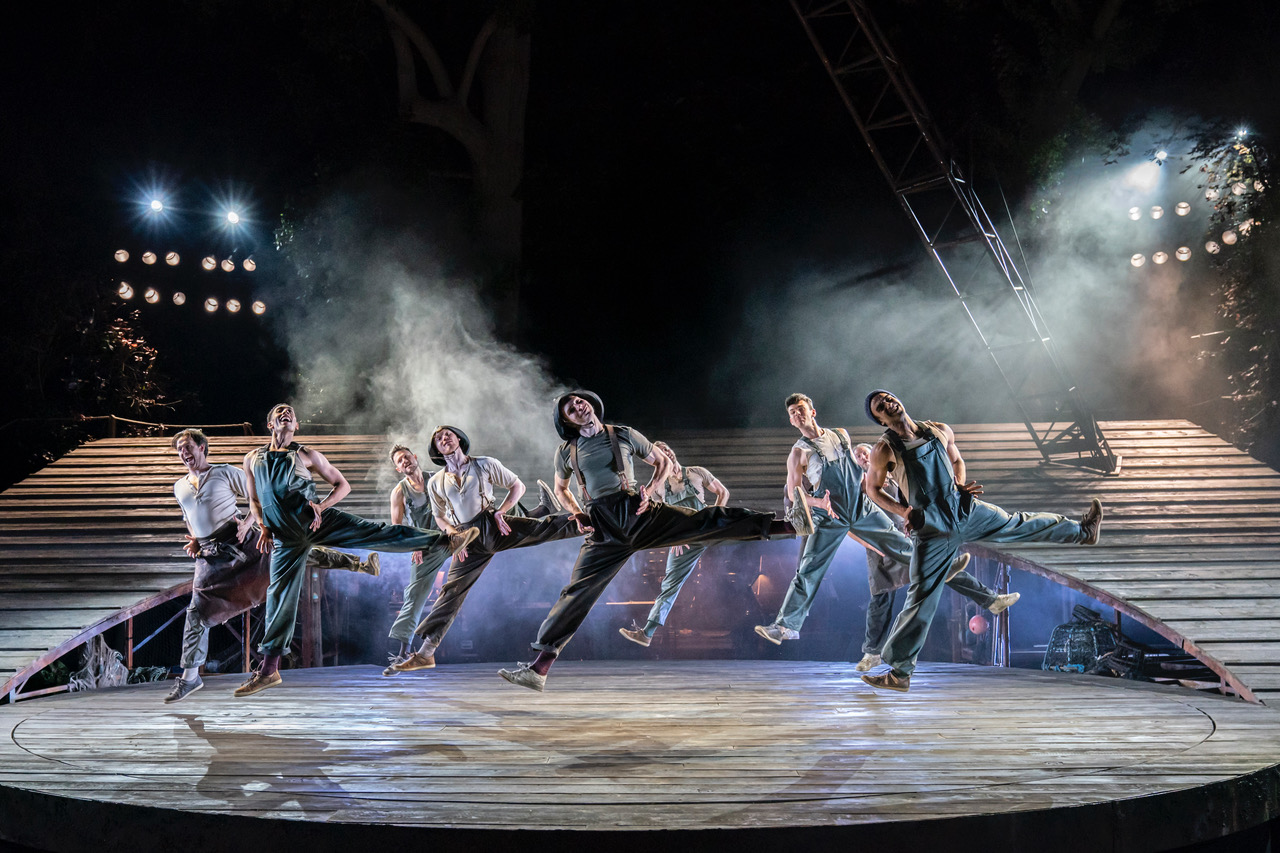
[[955, 228]]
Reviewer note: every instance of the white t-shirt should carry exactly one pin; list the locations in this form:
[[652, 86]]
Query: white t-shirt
[[211, 501], [459, 500]]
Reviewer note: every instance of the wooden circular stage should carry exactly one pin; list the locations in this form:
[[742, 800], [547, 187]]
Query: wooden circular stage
[[688, 755]]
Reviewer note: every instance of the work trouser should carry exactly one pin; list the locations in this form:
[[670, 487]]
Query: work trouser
[[230, 578], [880, 608], [294, 541], [463, 574], [618, 533], [679, 567], [422, 578], [977, 521]]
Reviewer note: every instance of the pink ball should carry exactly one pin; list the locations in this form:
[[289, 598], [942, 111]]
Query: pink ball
[[979, 624]]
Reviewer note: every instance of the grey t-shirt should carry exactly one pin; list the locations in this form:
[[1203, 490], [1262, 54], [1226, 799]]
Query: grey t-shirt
[[595, 457]]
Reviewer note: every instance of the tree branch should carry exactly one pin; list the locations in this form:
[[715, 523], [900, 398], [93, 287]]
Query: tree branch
[[426, 49], [473, 59]]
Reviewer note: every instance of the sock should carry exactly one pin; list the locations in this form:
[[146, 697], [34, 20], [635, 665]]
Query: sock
[[270, 664], [405, 648], [651, 628], [543, 662], [191, 673]]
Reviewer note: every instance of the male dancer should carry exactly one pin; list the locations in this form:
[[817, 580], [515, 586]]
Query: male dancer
[[823, 460], [886, 576], [942, 512], [231, 576], [280, 479], [622, 519], [409, 499], [462, 500], [686, 487]]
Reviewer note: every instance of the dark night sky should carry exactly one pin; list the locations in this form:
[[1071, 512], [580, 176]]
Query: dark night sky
[[677, 154]]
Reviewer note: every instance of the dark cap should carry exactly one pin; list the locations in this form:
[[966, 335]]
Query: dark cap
[[434, 453], [871, 396], [565, 429]]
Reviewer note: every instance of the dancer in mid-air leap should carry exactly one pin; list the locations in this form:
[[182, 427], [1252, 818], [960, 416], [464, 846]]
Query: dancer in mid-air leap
[[280, 479], [623, 518], [942, 513]]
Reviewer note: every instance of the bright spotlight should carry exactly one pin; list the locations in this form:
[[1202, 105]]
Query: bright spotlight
[[121, 255], [1135, 213], [1212, 248], [233, 217], [1183, 253], [1160, 257], [211, 305], [1182, 208], [172, 259], [1162, 155], [1229, 237], [179, 298], [1138, 260], [228, 265], [249, 264], [209, 262], [233, 305], [259, 307], [157, 205], [125, 290], [1156, 211], [148, 257], [1211, 194], [1241, 133], [151, 295], [1143, 176]]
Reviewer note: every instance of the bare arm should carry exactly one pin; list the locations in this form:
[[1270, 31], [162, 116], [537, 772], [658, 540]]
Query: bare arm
[[322, 467], [796, 463], [513, 496], [565, 496], [957, 463], [717, 488], [255, 505], [397, 506], [877, 475]]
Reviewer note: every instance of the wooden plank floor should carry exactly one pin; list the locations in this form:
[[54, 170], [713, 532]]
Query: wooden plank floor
[[1191, 541], [630, 746]]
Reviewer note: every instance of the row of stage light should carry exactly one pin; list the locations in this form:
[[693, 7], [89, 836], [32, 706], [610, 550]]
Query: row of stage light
[[1182, 208], [152, 296], [208, 262]]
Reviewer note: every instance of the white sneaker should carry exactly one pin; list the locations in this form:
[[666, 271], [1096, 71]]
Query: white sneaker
[[868, 662], [777, 633], [1004, 602]]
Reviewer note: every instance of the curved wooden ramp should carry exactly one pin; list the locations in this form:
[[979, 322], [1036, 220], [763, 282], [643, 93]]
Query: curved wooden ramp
[[636, 756]]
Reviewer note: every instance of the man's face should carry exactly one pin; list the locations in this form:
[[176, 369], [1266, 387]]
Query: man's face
[[406, 463], [446, 441], [885, 407], [283, 419], [191, 453], [801, 414], [862, 455], [577, 411], [666, 451]]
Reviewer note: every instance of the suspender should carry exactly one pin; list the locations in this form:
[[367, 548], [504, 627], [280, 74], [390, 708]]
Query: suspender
[[618, 465], [844, 442]]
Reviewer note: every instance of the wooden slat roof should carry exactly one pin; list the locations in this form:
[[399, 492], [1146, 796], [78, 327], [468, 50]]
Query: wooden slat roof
[[1190, 547]]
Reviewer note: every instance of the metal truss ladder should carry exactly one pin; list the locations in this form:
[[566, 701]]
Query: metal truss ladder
[[955, 228]]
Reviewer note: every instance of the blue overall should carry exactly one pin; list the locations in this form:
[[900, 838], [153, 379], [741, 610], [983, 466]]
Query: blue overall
[[679, 566], [417, 506], [951, 518], [285, 492], [843, 478]]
